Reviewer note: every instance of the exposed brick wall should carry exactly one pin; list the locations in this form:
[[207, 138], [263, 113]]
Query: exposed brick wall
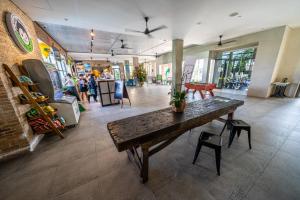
[[10, 126], [14, 129]]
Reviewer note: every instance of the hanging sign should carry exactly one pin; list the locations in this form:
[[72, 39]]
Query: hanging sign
[[18, 32]]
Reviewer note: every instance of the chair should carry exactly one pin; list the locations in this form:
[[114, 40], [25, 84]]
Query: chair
[[236, 127], [131, 82], [159, 79], [212, 141], [153, 79]]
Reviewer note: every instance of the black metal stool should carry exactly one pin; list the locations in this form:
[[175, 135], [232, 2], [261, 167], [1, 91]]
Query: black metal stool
[[212, 141], [236, 127]]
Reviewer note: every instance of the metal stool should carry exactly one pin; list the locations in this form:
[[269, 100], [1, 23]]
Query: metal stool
[[212, 141], [236, 127]]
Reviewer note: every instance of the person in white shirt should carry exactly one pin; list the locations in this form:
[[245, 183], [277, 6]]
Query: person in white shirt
[[69, 83]]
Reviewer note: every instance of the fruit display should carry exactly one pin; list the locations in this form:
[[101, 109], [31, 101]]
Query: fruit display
[[37, 96], [49, 110], [40, 125]]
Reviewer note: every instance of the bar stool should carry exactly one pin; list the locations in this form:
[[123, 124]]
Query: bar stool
[[236, 127], [212, 141]]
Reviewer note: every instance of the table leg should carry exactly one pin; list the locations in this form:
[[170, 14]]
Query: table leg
[[230, 116], [211, 93], [194, 93], [202, 95], [145, 163], [276, 92]]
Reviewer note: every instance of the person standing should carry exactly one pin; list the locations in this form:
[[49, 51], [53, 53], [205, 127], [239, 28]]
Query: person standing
[[83, 87], [92, 88], [69, 83]]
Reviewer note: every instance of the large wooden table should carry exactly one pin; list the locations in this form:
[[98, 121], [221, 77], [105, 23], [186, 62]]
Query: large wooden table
[[155, 130]]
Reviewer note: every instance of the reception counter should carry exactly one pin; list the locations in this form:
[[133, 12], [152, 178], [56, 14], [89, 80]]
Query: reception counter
[[107, 91]]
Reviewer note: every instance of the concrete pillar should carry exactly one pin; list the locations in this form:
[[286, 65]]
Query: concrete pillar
[[135, 61], [127, 69], [121, 65], [177, 54], [209, 77]]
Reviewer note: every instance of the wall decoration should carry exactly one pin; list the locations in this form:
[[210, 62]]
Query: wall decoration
[[18, 32], [188, 69], [45, 49]]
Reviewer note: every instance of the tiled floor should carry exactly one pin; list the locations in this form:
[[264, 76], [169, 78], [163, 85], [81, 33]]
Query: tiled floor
[[86, 165]]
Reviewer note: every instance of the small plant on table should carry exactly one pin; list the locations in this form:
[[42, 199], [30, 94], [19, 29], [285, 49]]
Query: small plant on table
[[178, 101]]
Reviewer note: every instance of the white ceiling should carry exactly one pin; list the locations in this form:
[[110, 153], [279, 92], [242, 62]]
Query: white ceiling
[[79, 40], [116, 58], [180, 16]]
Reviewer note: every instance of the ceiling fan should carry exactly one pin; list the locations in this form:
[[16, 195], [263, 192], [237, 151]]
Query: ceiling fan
[[112, 53], [220, 43], [147, 31], [124, 46]]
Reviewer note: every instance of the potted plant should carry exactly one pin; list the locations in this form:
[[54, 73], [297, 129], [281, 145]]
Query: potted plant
[[178, 101], [178, 97], [140, 74]]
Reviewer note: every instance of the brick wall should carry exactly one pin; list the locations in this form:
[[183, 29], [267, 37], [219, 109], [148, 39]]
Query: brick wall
[[10, 127], [14, 129]]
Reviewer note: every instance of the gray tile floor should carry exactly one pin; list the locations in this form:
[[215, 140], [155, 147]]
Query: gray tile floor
[[86, 165]]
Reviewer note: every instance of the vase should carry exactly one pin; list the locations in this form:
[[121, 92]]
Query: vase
[[141, 83], [179, 109]]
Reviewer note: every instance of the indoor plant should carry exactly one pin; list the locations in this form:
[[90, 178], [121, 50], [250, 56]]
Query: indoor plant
[[178, 101], [140, 74], [178, 96]]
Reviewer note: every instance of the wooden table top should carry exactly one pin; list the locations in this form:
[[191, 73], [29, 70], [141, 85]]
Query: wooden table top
[[139, 129]]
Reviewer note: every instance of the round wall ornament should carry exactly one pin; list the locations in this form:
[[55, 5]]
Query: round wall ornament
[[18, 32]]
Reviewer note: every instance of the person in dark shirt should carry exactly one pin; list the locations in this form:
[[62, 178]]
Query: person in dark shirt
[[92, 88]]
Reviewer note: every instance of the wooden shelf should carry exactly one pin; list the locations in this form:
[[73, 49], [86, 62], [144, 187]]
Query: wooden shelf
[[49, 130], [29, 84], [37, 100], [32, 101]]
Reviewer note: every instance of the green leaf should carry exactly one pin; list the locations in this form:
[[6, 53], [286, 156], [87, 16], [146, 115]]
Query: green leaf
[[182, 95], [177, 104]]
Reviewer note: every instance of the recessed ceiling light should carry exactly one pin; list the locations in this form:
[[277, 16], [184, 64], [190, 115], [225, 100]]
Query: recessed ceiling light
[[233, 14]]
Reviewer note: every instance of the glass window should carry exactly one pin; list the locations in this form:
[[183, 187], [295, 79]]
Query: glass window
[[198, 71], [165, 70]]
